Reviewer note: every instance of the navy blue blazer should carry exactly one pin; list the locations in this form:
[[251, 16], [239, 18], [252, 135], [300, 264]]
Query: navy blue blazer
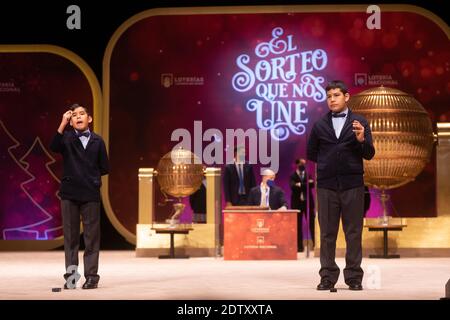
[[231, 182], [339, 161], [82, 168], [276, 197]]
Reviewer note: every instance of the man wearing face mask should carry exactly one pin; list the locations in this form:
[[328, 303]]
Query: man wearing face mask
[[301, 195], [268, 194]]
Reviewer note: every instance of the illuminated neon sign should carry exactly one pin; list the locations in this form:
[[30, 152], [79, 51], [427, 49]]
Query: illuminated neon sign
[[283, 80]]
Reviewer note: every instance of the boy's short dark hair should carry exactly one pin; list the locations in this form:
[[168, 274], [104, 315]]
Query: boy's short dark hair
[[337, 84], [76, 105]]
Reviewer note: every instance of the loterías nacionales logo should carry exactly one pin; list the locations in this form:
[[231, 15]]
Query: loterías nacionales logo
[[284, 82]]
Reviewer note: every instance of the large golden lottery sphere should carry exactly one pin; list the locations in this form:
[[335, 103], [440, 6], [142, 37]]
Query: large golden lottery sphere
[[179, 173], [402, 136]]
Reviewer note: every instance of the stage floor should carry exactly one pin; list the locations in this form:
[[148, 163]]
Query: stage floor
[[31, 275]]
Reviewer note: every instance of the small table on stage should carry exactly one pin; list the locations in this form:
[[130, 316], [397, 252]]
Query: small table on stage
[[172, 232], [385, 229]]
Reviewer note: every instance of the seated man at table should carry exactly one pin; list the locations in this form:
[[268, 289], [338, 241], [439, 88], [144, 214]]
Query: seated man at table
[[268, 194]]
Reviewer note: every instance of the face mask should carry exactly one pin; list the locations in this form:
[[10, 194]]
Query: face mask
[[301, 167], [270, 183]]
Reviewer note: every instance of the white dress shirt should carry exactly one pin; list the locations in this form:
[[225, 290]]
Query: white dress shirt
[[84, 140], [265, 191], [338, 123]]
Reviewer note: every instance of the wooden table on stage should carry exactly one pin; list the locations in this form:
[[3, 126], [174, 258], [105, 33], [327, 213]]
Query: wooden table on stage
[[172, 232], [252, 233], [385, 229]]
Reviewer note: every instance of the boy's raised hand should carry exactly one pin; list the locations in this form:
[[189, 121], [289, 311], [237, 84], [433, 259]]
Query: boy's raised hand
[[358, 129], [67, 115], [65, 120]]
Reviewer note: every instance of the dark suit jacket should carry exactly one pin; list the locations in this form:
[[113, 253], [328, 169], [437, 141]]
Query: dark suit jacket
[[296, 191], [197, 200], [82, 168], [339, 161], [231, 182], [276, 197]]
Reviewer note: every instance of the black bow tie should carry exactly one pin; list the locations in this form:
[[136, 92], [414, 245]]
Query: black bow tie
[[83, 134], [338, 115]]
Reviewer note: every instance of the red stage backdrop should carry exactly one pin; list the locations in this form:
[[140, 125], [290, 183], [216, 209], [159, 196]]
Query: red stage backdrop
[[35, 90], [249, 70], [262, 70]]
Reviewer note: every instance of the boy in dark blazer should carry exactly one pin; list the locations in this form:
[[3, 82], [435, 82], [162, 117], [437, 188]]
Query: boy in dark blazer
[[84, 162], [338, 143]]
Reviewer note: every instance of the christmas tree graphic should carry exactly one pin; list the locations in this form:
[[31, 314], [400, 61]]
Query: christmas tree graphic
[[29, 205]]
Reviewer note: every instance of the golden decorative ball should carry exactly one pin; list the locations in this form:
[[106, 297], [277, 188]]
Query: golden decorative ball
[[179, 173], [402, 136]]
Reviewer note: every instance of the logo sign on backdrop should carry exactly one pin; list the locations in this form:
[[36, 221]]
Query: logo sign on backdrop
[[283, 78]]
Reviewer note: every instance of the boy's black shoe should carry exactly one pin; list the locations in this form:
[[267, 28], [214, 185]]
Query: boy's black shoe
[[354, 285], [90, 284], [66, 287], [325, 285]]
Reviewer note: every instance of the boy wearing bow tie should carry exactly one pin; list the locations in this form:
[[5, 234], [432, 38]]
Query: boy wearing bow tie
[[338, 143], [84, 162]]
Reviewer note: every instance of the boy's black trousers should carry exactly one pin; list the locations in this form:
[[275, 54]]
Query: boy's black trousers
[[89, 212]]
